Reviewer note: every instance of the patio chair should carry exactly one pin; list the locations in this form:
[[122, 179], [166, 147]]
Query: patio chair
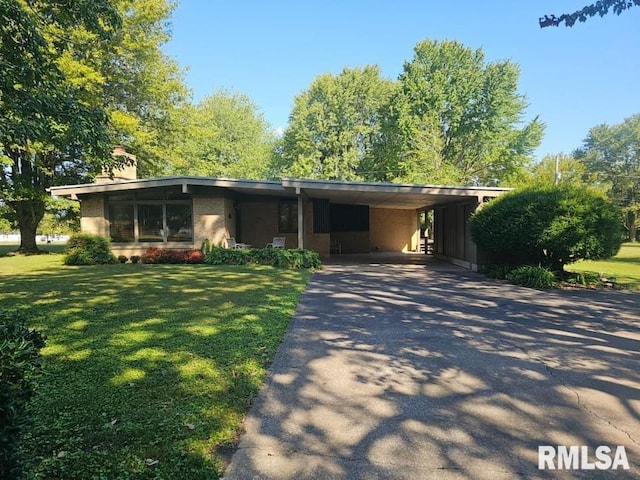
[[233, 245], [278, 242]]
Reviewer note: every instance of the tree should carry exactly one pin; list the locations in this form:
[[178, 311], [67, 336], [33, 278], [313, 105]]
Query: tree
[[458, 114], [143, 88], [83, 75], [46, 120], [601, 8], [223, 135], [611, 154], [548, 226], [335, 127], [543, 174]]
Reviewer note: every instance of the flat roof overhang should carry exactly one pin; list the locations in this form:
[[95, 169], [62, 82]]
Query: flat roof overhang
[[381, 195], [390, 195]]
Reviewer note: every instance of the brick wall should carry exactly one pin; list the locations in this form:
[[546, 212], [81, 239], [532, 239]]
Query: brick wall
[[210, 220], [393, 229], [93, 216]]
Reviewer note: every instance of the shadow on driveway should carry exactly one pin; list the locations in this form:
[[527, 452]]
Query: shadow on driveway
[[402, 371]]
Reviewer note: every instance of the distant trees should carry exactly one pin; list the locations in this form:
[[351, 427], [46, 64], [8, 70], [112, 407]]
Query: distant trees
[[223, 135], [459, 119], [335, 127], [449, 118], [611, 156]]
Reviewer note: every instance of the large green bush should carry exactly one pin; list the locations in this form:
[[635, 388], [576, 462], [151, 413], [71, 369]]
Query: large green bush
[[278, 257], [548, 226], [19, 367], [87, 249]]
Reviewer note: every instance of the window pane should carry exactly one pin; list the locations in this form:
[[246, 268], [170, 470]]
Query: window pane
[[288, 217], [121, 223], [150, 223], [179, 223]]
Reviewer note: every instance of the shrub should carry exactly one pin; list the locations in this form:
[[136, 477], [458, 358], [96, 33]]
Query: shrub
[[498, 272], [161, 255], [19, 367], [135, 258], [206, 246], [548, 226], [193, 256], [122, 258], [276, 257], [532, 276], [87, 249]]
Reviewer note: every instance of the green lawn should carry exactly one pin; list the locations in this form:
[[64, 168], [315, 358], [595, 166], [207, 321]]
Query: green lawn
[[624, 267], [145, 362]]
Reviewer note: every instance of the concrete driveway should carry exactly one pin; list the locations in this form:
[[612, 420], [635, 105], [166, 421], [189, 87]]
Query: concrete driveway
[[406, 371]]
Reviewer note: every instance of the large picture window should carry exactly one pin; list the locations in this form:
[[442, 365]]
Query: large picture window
[[150, 223], [179, 223], [145, 220], [121, 223]]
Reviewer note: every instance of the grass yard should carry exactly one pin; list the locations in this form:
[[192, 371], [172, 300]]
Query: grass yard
[[624, 267], [149, 368]]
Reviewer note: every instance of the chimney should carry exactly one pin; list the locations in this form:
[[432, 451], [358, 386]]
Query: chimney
[[125, 172]]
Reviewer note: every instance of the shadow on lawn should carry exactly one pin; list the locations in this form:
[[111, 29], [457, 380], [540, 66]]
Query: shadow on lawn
[[147, 362], [394, 372]]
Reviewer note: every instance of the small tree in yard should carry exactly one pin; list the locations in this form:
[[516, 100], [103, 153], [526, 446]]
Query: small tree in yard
[[548, 226]]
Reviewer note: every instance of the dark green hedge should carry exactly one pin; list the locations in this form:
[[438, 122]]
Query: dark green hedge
[[19, 368], [277, 257], [548, 226]]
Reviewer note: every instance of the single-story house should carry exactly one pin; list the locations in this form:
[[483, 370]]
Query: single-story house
[[327, 216]]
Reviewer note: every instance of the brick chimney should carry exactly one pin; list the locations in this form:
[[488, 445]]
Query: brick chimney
[[126, 172]]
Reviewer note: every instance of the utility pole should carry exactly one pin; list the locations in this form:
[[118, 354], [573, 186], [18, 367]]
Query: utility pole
[[556, 178]]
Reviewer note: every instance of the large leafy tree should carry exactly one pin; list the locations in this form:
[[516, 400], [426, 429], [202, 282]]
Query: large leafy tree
[[335, 127], [459, 118], [611, 154], [47, 120], [600, 8], [223, 135], [83, 75]]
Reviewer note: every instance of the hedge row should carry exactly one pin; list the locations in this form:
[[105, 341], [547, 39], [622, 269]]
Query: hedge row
[[276, 257], [162, 255]]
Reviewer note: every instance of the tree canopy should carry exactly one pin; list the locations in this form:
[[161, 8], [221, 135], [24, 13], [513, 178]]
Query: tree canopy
[[462, 116], [335, 126], [450, 118], [611, 155], [81, 76], [601, 8], [223, 135]]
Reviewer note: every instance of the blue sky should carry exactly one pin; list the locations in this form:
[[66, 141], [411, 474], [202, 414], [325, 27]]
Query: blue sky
[[573, 78]]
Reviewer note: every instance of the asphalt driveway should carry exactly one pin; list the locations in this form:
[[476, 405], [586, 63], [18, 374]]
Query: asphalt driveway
[[407, 371]]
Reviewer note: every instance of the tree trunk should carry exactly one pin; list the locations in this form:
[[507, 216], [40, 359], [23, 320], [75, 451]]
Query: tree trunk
[[29, 213]]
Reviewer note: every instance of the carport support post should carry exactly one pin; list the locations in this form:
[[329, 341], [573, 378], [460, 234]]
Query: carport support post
[[300, 218]]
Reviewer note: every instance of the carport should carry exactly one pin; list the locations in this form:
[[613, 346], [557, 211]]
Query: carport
[[384, 217]]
